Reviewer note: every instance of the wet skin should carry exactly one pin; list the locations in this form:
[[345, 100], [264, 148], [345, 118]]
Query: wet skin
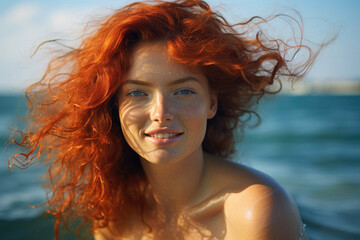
[[163, 109]]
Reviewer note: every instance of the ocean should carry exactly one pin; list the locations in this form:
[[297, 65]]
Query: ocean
[[310, 144]]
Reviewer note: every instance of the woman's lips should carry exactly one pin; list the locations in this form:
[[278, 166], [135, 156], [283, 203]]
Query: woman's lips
[[164, 135], [161, 137]]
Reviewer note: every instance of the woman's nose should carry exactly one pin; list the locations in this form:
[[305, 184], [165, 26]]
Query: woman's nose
[[161, 110]]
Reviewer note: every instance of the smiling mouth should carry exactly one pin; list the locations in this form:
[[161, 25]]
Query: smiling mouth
[[163, 135]]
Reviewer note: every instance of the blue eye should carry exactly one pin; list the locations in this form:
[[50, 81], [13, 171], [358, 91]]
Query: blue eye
[[136, 93], [185, 92]]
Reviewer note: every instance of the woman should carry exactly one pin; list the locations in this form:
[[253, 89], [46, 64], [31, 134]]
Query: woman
[[138, 124]]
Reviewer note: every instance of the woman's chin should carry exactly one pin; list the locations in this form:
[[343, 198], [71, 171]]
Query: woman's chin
[[160, 156]]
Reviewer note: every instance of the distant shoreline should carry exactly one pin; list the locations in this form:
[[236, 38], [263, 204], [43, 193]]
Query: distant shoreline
[[346, 87], [302, 87]]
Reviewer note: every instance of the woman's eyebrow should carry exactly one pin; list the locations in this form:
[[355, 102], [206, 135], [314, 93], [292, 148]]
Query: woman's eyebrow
[[137, 82], [177, 81], [185, 79]]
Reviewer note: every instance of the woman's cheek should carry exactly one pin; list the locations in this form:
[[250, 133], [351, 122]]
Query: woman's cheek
[[195, 114]]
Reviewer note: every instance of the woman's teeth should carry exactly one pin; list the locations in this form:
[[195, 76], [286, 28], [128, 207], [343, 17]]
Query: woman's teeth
[[164, 135]]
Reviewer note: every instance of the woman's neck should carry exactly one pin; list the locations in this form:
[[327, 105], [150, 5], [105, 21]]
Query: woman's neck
[[174, 184]]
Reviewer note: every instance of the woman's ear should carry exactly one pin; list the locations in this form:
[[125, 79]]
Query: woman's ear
[[213, 106]]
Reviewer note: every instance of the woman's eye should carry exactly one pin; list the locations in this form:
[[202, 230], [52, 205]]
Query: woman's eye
[[136, 93], [184, 92]]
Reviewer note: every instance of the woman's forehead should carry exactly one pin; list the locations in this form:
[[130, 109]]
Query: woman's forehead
[[151, 59]]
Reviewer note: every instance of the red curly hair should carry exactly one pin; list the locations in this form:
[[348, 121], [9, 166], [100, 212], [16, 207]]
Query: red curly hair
[[73, 120]]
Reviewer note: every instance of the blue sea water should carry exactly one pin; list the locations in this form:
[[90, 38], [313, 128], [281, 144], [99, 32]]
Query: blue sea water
[[310, 144]]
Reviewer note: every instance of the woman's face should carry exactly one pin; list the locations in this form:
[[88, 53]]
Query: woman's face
[[164, 106]]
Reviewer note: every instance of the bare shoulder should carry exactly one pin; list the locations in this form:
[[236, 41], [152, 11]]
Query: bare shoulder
[[257, 207]]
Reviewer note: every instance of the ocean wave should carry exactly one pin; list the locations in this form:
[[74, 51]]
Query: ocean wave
[[295, 137], [17, 204], [333, 228]]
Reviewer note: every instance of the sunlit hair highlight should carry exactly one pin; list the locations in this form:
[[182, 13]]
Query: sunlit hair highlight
[[73, 121]]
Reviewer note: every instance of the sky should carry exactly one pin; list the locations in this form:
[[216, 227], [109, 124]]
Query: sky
[[26, 24]]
